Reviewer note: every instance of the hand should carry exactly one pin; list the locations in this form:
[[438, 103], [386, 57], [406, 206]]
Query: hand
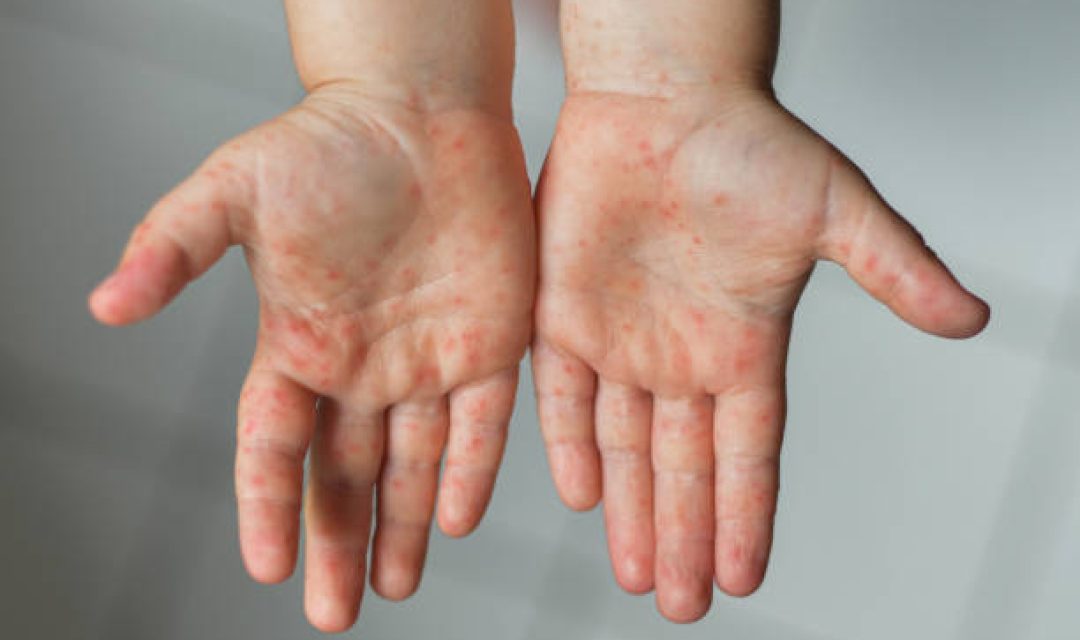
[[393, 253], [677, 235]]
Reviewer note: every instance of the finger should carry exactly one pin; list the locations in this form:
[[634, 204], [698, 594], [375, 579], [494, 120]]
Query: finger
[[182, 236], [479, 418], [565, 391], [748, 431], [888, 258], [683, 493], [416, 435], [623, 422], [276, 420], [346, 455]]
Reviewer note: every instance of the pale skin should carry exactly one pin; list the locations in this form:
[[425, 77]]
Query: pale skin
[[388, 227], [682, 210]]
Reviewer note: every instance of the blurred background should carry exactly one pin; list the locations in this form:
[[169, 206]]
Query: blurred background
[[930, 489]]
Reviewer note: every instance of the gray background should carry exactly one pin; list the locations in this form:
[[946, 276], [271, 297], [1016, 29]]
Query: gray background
[[929, 488]]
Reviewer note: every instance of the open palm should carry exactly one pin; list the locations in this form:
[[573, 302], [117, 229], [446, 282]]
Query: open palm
[[676, 238], [393, 254]]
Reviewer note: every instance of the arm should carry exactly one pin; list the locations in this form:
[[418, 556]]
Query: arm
[[431, 54]]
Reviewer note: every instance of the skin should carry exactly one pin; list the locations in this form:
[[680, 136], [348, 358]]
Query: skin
[[682, 210], [389, 232]]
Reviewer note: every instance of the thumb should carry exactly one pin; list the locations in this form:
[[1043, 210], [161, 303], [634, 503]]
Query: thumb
[[182, 236], [888, 258]]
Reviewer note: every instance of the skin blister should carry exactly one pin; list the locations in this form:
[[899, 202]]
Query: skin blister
[[394, 256], [677, 235]]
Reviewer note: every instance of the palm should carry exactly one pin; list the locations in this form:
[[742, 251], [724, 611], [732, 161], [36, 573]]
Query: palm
[[391, 253], [676, 238], [393, 256]]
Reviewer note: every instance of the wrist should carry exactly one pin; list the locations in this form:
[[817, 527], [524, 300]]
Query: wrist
[[430, 55], [670, 48]]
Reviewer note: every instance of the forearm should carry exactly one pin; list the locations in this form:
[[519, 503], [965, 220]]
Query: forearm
[[432, 54], [656, 48]]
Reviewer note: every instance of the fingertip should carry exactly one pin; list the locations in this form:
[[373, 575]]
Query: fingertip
[[102, 304], [683, 604], [577, 477], [742, 581], [327, 616], [971, 321], [579, 500], [269, 566], [394, 583], [742, 558], [635, 574], [954, 313], [456, 520]]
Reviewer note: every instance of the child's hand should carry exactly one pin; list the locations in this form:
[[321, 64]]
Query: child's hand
[[393, 253], [676, 238]]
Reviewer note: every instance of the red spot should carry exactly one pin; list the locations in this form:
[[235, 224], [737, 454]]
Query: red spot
[[371, 265], [476, 444], [871, 263], [582, 244], [698, 241], [663, 78], [568, 368], [479, 408], [397, 484], [745, 359], [645, 146], [414, 191], [258, 480], [333, 275], [430, 240], [668, 210], [449, 344], [142, 231], [354, 448], [352, 328], [558, 391], [459, 301], [278, 395], [720, 199], [698, 317], [250, 427], [298, 363], [458, 144]]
